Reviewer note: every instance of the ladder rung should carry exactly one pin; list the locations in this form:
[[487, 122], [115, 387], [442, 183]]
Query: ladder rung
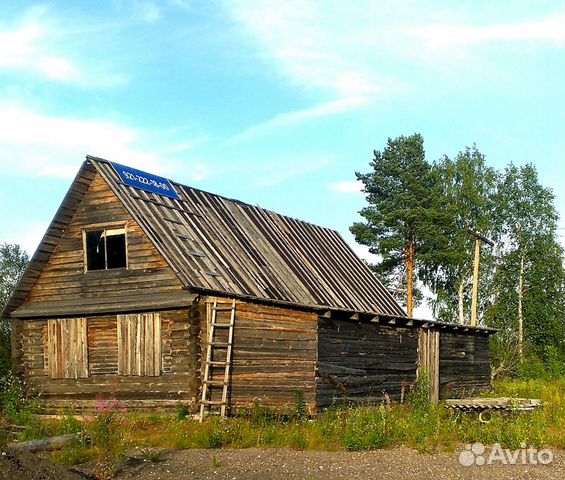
[[216, 363], [212, 402], [215, 382], [217, 309], [220, 344], [226, 325]]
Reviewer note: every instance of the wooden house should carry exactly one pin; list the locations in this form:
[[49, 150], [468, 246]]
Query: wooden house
[[160, 295]]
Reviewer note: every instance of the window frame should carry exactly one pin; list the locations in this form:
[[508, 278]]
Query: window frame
[[104, 227]]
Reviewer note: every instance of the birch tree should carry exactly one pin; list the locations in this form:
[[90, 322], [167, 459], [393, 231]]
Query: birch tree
[[468, 186], [527, 223]]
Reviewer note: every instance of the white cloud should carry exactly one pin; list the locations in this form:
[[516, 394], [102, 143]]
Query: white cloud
[[21, 49], [39, 145], [305, 41], [362, 251], [40, 49], [347, 186], [348, 48], [291, 118], [439, 36], [195, 170]]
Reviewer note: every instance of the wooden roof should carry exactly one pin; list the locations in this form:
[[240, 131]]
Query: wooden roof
[[219, 245], [216, 244]]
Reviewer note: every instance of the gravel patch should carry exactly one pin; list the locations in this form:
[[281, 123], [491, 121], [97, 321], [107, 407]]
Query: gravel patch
[[269, 464]]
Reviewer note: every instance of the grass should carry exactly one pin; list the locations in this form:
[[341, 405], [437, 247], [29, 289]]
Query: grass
[[417, 424], [424, 427]]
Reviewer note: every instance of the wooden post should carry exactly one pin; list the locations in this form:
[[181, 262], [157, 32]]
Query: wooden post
[[475, 283], [410, 277], [428, 360], [521, 309], [479, 238]]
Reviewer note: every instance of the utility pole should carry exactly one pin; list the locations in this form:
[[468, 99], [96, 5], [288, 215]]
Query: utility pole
[[479, 238]]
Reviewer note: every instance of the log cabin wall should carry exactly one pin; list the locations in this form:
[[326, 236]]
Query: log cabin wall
[[63, 278], [178, 382], [464, 363], [274, 355], [358, 362]]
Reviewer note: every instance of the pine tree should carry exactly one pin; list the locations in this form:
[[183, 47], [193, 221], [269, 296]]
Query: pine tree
[[402, 215]]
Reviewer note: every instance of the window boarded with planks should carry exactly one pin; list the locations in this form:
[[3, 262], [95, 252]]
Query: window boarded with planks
[[67, 348], [139, 344]]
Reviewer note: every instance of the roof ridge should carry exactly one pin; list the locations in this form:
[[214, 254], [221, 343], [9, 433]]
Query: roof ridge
[[224, 197]]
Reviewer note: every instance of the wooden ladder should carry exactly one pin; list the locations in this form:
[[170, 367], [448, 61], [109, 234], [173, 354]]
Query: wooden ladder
[[213, 343]]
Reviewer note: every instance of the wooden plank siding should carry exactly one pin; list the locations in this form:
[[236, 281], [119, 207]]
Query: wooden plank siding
[[139, 344], [464, 363], [64, 280], [359, 362], [428, 360], [177, 384], [67, 348], [274, 355]]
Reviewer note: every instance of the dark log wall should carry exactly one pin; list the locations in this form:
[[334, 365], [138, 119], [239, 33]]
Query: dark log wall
[[464, 363], [178, 384], [358, 362], [63, 277], [274, 354]]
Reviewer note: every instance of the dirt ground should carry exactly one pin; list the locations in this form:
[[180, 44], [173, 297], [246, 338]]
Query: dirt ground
[[26, 466], [270, 464], [390, 464]]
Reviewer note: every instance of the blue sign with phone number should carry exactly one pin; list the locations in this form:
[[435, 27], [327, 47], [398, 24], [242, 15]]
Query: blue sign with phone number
[[145, 181]]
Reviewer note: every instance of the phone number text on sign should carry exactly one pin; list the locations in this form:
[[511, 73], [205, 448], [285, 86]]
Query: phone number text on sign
[[144, 180]]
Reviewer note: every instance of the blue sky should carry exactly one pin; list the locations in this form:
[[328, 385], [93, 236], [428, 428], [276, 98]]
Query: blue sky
[[274, 103]]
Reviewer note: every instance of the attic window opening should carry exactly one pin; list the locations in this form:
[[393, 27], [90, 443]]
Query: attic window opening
[[105, 249]]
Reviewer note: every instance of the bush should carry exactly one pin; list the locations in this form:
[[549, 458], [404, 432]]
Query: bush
[[366, 428], [106, 431], [5, 347], [68, 424], [418, 394], [13, 400], [182, 412], [300, 410]]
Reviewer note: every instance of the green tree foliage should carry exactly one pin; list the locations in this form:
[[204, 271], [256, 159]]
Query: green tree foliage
[[528, 305], [402, 213], [418, 215], [13, 261], [468, 186]]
